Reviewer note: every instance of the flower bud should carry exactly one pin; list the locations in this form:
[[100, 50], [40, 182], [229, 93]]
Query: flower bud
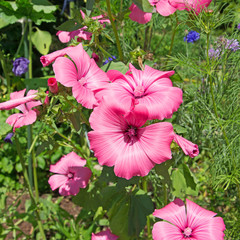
[[53, 86]]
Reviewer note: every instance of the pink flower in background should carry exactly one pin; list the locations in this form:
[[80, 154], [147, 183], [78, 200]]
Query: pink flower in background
[[82, 74], [104, 235], [193, 223], [53, 86], [137, 15], [188, 147], [118, 138], [70, 174], [16, 99], [151, 88], [65, 36], [25, 105]]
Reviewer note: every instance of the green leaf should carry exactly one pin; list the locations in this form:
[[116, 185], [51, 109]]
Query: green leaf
[[89, 6], [69, 26], [140, 207], [43, 5], [6, 20], [163, 170], [120, 66], [144, 5], [5, 128], [179, 129], [35, 83], [183, 182], [42, 41]]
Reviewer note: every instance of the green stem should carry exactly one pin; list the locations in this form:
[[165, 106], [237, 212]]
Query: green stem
[[173, 34], [114, 30], [30, 49], [71, 6], [4, 67], [24, 28], [25, 174], [165, 194], [145, 188]]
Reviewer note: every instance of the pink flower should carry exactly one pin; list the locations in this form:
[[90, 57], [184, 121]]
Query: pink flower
[[151, 88], [71, 175], [25, 105], [49, 58], [82, 74], [104, 235], [188, 147], [65, 36], [46, 100], [118, 138], [193, 223], [52, 84], [16, 99], [137, 15]]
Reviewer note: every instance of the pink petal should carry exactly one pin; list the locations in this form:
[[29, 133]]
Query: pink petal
[[196, 215], [57, 180], [165, 8], [26, 119], [104, 235], [69, 160], [17, 94], [64, 36], [11, 120], [65, 72], [211, 229], [166, 231], [81, 175], [84, 96], [161, 101], [80, 59], [155, 140], [188, 147], [138, 15], [49, 58], [83, 34], [174, 213], [114, 74]]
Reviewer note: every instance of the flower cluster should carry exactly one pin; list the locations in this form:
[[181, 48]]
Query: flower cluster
[[192, 37], [166, 8], [20, 66]]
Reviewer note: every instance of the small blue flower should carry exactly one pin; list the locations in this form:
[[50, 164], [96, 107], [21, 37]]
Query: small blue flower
[[20, 66], [238, 26], [109, 60], [232, 44], [192, 37], [7, 139]]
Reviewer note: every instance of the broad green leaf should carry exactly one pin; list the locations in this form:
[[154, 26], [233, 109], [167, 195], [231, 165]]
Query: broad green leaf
[[140, 207], [43, 5], [179, 129], [144, 5], [42, 41], [6, 20], [183, 182], [35, 83], [120, 66], [69, 26], [163, 170], [89, 6]]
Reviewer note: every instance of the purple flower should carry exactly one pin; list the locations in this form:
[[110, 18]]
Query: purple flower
[[238, 26], [214, 53], [20, 66], [192, 37], [7, 139], [232, 44]]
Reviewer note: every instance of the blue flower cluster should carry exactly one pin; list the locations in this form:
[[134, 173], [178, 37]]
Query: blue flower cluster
[[20, 66], [192, 37], [109, 60]]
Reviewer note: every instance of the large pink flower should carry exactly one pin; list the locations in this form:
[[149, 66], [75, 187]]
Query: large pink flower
[[118, 138], [65, 36], [25, 105], [71, 175], [188, 147], [151, 88], [81, 73], [104, 235], [193, 223]]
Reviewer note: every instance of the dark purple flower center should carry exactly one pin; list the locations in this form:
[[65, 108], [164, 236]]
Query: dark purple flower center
[[187, 232], [138, 91], [70, 175], [131, 132]]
